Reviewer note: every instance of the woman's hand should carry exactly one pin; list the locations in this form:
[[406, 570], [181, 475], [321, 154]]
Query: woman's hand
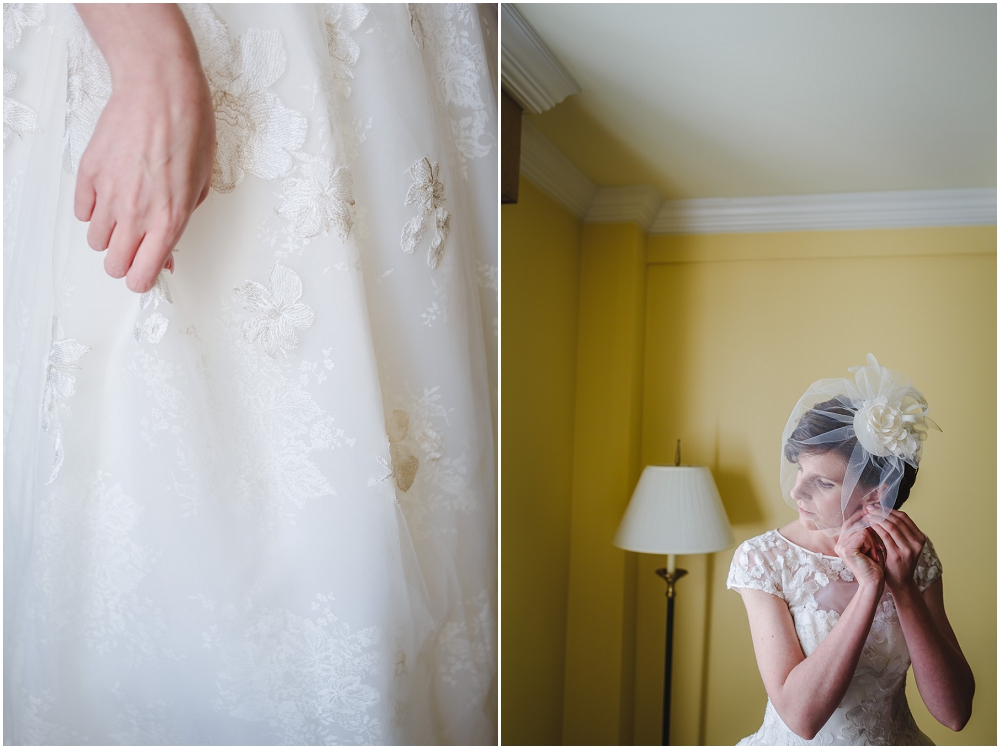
[[149, 162], [864, 554], [903, 543]]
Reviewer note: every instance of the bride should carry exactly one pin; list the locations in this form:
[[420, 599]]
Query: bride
[[844, 599], [249, 443]]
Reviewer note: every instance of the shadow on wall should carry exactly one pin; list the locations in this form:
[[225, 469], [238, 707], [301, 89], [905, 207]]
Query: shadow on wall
[[742, 504]]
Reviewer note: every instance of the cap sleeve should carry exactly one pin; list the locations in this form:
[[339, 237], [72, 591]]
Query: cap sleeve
[[753, 567], [928, 567]]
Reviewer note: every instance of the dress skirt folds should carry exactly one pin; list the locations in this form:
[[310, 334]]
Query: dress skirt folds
[[257, 504]]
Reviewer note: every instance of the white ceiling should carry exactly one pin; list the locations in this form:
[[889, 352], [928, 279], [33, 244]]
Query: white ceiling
[[712, 100]]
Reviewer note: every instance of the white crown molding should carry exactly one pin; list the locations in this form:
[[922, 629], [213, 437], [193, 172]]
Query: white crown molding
[[529, 71], [613, 205], [553, 173], [860, 210]]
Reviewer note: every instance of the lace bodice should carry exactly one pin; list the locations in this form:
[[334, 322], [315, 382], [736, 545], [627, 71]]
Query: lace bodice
[[817, 589]]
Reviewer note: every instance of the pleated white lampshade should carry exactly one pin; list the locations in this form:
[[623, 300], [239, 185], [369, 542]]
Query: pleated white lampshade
[[675, 510]]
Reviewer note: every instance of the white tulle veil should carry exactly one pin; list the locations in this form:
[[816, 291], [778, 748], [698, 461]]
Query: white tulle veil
[[876, 422]]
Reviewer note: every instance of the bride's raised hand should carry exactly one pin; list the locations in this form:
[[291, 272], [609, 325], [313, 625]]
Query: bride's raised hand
[[149, 162], [903, 543], [864, 554]]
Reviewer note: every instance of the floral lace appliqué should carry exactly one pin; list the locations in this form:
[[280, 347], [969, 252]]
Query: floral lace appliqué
[[443, 32], [17, 118], [817, 588], [320, 200], [19, 16], [439, 480], [255, 131], [465, 644], [87, 542], [427, 193], [280, 426], [275, 312], [88, 88], [339, 20], [305, 677], [928, 568], [159, 293], [60, 385], [152, 329], [404, 463]]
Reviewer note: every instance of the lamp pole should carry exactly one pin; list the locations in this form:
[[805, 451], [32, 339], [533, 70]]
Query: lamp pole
[[674, 509], [671, 574]]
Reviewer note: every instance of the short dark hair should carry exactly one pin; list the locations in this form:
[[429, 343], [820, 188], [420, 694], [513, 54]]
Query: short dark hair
[[818, 420]]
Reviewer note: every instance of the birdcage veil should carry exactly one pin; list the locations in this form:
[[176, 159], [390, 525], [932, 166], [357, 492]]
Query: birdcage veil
[[876, 423]]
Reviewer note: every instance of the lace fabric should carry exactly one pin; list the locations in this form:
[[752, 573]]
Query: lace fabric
[[257, 504], [817, 589]]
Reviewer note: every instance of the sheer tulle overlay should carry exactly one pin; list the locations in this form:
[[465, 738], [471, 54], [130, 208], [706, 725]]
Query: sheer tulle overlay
[[817, 589], [257, 504]]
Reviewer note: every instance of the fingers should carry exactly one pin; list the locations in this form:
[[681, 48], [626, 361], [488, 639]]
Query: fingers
[[889, 541], [880, 551], [877, 546], [133, 254], [124, 242], [204, 193], [84, 198], [101, 227], [888, 529], [152, 256], [906, 521], [905, 531]]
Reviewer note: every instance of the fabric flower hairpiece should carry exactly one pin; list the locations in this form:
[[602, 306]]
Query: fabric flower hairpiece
[[891, 417]]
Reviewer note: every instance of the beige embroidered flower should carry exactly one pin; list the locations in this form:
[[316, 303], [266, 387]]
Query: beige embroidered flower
[[339, 20], [276, 314], [18, 16], [320, 200], [17, 118], [427, 193], [59, 385], [442, 223], [159, 293], [256, 132], [152, 329], [404, 463], [442, 32]]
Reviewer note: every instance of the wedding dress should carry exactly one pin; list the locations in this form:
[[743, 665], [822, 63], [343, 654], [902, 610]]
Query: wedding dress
[[257, 504], [817, 589]]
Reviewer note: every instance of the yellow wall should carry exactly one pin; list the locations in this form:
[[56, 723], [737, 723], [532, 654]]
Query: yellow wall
[[712, 340], [539, 287], [600, 634], [737, 327]]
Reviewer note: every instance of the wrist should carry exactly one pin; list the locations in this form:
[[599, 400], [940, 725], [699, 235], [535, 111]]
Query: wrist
[[908, 591], [142, 43], [871, 587]]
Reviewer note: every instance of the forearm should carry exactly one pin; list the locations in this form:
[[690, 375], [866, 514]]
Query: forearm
[[943, 676], [815, 687]]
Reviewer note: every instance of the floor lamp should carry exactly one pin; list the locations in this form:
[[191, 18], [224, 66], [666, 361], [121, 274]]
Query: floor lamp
[[674, 510]]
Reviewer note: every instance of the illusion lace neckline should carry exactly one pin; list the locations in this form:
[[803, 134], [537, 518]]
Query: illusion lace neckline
[[803, 548]]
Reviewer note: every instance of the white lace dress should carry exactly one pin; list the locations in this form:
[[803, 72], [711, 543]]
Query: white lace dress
[[257, 504], [817, 588]]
